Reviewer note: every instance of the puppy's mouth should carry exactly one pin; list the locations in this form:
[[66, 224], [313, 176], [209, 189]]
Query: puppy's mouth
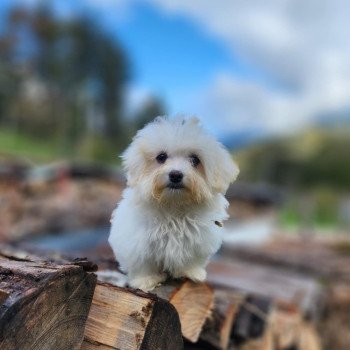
[[175, 186]]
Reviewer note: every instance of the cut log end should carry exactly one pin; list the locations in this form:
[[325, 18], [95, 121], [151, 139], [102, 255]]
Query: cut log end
[[46, 305]]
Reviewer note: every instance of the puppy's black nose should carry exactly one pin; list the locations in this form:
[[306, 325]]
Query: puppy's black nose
[[175, 176]]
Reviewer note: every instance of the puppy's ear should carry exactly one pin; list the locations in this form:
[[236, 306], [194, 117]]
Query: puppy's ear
[[133, 163], [225, 170]]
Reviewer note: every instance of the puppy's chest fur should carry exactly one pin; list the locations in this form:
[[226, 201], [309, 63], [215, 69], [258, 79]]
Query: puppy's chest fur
[[176, 241]]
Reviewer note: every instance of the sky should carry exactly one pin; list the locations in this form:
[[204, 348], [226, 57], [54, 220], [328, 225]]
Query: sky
[[242, 66]]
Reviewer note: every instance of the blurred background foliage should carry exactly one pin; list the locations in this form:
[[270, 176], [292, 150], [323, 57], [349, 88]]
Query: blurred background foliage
[[62, 85], [316, 157], [312, 167], [62, 96]]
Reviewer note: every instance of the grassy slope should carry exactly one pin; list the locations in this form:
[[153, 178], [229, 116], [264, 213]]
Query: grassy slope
[[14, 144], [91, 149]]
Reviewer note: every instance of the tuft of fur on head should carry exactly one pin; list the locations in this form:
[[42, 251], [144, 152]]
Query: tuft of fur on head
[[182, 141]]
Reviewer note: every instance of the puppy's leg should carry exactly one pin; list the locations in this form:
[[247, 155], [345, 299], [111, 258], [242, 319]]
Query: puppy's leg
[[145, 277], [195, 273]]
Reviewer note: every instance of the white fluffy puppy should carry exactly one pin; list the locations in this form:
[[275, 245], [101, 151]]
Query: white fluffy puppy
[[169, 220]]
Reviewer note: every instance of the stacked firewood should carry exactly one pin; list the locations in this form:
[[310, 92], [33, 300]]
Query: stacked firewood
[[224, 313], [63, 304]]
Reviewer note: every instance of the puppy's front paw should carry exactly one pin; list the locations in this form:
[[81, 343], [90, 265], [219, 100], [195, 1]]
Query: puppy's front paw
[[196, 274], [147, 283]]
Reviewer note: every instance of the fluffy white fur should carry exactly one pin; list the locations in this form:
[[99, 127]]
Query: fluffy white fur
[[159, 231]]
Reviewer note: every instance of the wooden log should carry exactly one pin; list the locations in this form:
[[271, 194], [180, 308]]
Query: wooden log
[[122, 318], [44, 305], [16, 254], [218, 327], [302, 291], [192, 301], [317, 256]]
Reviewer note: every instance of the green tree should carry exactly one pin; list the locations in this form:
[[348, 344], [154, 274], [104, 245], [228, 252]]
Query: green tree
[[74, 61]]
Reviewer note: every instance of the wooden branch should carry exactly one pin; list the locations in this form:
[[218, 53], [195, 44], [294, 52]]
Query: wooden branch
[[43, 305], [122, 318]]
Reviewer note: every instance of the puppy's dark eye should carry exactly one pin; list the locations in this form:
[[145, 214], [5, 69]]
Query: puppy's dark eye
[[161, 157], [194, 160]]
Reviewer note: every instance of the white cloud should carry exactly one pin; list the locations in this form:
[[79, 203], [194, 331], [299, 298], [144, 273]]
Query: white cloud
[[136, 97], [230, 104], [302, 45]]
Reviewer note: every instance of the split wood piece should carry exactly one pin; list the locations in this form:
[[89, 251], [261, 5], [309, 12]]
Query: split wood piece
[[309, 339], [218, 327], [193, 302], [251, 325], [286, 324], [291, 330], [44, 305], [126, 319]]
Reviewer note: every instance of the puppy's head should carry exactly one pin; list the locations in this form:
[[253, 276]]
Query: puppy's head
[[175, 162]]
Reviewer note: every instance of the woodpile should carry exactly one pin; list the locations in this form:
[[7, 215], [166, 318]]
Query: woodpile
[[237, 310], [55, 303], [55, 198]]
